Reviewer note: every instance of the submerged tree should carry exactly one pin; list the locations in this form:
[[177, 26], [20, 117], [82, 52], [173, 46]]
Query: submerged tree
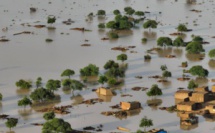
[[56, 125], [39, 82], [178, 42], [1, 96], [11, 122], [90, 70], [198, 71], [145, 122], [72, 84], [154, 91], [116, 12], [101, 25], [122, 57], [197, 39], [150, 24], [194, 48], [49, 115], [111, 64], [163, 67], [192, 84], [102, 79], [24, 102], [182, 28], [166, 74], [53, 85], [41, 95], [101, 12], [23, 84], [211, 53], [68, 72], [164, 41], [51, 19]]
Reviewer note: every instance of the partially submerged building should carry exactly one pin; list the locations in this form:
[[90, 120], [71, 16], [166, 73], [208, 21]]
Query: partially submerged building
[[187, 106], [105, 91], [130, 105]]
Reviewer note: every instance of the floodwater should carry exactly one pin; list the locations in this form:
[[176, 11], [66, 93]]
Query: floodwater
[[29, 56]]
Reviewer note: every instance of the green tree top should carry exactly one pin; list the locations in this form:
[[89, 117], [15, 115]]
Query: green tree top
[[150, 24], [197, 39], [11, 122], [178, 42], [192, 84], [116, 12], [122, 57], [53, 85], [211, 53], [194, 48], [154, 91], [101, 12], [51, 19], [90, 70], [162, 41], [24, 102], [109, 64], [39, 82], [56, 125], [198, 71], [102, 79], [41, 95], [166, 74], [23, 84], [67, 72], [49, 116], [1, 96], [182, 28], [145, 122]]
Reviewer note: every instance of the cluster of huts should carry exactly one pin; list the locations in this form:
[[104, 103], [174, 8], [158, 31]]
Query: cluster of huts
[[199, 101]]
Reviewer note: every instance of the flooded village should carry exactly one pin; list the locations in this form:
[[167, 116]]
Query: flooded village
[[107, 66]]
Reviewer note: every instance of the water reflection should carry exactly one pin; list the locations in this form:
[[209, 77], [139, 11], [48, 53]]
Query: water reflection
[[105, 98], [22, 92], [178, 52], [150, 35], [195, 57], [164, 51], [154, 103], [201, 81], [191, 1], [78, 99], [25, 113], [211, 64]]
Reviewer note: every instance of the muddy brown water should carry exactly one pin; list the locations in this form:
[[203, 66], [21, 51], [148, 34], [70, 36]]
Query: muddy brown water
[[29, 56]]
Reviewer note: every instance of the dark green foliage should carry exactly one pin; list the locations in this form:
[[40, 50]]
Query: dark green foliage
[[39, 82], [122, 57], [11, 122], [90, 14], [102, 79], [178, 42], [144, 40], [194, 48], [23, 84], [164, 41], [182, 28], [90, 70], [1, 96], [197, 39], [111, 25], [154, 91], [24, 102], [199, 71], [116, 12], [130, 12], [163, 67], [139, 13], [49, 40], [56, 125], [145, 122], [101, 13], [53, 85], [72, 84], [112, 81], [126, 9], [49, 116], [67, 72], [147, 57], [211, 53], [184, 64], [41, 94], [150, 24], [166, 74], [192, 84], [115, 72], [113, 35], [101, 25], [109, 64], [120, 23], [124, 24], [51, 19]]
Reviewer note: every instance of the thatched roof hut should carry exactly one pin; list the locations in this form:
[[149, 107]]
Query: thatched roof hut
[[105, 91], [202, 89], [130, 105], [200, 97], [186, 106], [182, 94]]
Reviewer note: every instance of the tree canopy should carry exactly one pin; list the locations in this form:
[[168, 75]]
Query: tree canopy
[[41, 94], [72, 84], [56, 125], [101, 12], [102, 79], [150, 24], [211, 53], [67, 72], [182, 28], [178, 42], [23, 84], [51, 19], [145, 122], [39, 82], [101, 25], [154, 91], [198, 71], [11, 122], [116, 12], [194, 48], [49, 116], [166, 74], [53, 85], [139, 13], [24, 102], [115, 72], [192, 84], [90, 70], [1, 96], [122, 57], [197, 39], [162, 41]]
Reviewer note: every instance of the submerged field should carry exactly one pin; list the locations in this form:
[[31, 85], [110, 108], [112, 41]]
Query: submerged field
[[28, 56]]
